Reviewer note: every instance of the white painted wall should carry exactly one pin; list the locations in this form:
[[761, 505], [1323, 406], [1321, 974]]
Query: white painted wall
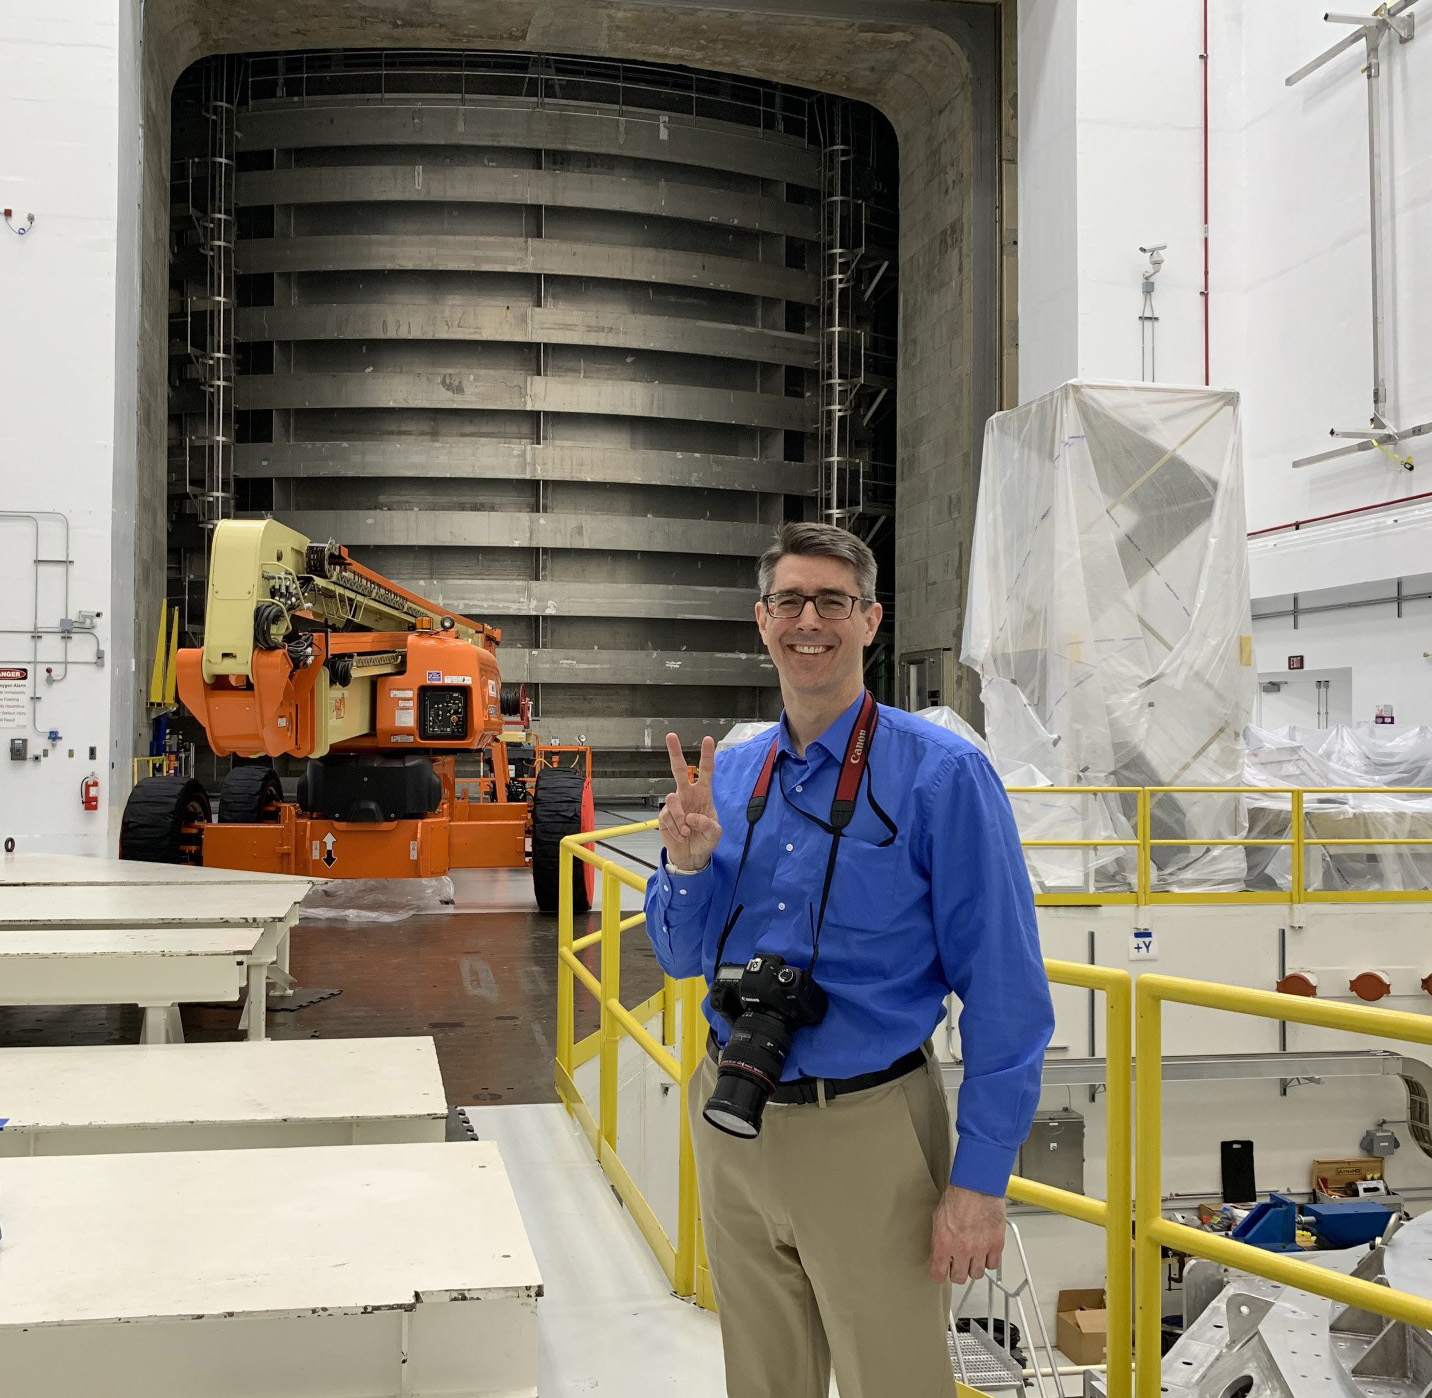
[[1290, 300], [1048, 185], [1385, 655], [59, 148]]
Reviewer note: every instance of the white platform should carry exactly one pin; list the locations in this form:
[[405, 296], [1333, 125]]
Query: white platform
[[155, 968], [299, 1092], [155, 929], [21, 869], [148, 905], [360, 1272]]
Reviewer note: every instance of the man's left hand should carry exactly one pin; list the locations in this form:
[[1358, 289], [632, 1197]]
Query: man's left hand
[[966, 1235]]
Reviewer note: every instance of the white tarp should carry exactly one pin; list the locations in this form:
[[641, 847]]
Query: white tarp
[[1109, 617]]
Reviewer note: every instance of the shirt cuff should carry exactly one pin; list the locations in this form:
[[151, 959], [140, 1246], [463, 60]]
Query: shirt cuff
[[983, 1166]]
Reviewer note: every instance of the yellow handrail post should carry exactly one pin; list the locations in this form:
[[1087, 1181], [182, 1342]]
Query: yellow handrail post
[[1298, 882], [1148, 1194], [1143, 830], [692, 1023], [1119, 1221], [611, 992], [566, 985], [669, 994]]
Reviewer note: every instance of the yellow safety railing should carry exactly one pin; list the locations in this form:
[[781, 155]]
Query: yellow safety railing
[[1154, 1232], [1114, 1213], [1130, 1212], [1077, 897], [684, 1259], [1298, 842], [154, 766]]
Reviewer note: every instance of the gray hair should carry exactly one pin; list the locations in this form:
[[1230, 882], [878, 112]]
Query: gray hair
[[810, 540]]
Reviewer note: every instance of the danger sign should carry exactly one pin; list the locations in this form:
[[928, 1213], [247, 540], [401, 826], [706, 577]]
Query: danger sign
[[15, 696]]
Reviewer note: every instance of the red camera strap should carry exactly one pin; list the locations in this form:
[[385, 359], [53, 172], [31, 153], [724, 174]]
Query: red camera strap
[[842, 808]]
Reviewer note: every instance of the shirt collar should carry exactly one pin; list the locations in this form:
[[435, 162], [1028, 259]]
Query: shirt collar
[[833, 741]]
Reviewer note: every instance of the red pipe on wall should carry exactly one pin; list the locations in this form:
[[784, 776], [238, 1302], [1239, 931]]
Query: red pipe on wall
[[1339, 514], [1204, 59]]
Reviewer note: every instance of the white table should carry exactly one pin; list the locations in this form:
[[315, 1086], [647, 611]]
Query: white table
[[21, 869], [261, 913], [348, 1272], [156, 968], [299, 1092]]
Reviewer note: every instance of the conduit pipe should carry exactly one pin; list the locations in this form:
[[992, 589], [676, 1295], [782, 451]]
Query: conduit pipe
[[1340, 514], [1203, 58]]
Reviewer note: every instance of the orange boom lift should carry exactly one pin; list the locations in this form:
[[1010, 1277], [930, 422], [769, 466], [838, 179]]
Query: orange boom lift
[[308, 654]]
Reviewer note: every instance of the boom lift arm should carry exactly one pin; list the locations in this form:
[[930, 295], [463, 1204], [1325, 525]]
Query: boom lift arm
[[308, 654]]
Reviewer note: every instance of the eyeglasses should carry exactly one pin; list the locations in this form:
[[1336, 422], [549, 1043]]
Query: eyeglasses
[[832, 606]]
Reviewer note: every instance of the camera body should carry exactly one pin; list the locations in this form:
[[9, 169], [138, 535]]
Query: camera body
[[765, 1001], [768, 984]]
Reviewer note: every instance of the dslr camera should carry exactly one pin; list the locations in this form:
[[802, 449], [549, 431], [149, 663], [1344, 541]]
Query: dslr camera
[[765, 1002]]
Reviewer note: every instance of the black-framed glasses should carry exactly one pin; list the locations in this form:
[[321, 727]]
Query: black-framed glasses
[[832, 606]]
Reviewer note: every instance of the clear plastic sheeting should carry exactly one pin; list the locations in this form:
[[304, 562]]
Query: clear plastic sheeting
[[1109, 620], [376, 900], [1341, 757], [743, 733]]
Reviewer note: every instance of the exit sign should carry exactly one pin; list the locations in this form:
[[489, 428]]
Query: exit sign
[[1295, 662]]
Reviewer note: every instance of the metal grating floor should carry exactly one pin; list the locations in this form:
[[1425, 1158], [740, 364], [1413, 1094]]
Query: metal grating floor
[[985, 1366]]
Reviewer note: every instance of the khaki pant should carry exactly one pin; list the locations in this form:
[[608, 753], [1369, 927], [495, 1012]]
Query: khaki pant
[[818, 1235]]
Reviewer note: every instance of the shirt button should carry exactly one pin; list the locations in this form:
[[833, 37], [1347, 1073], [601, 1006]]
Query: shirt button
[[789, 848], [781, 906], [800, 788], [666, 888], [682, 891]]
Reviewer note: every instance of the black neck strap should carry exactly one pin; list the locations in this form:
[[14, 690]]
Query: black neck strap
[[853, 769]]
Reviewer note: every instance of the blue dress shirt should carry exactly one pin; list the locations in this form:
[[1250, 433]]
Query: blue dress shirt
[[946, 906]]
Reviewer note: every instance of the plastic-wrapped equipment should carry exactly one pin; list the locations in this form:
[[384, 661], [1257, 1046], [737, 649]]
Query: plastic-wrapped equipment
[[1109, 619], [1341, 757]]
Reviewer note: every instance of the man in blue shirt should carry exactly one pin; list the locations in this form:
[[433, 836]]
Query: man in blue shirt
[[836, 1226]]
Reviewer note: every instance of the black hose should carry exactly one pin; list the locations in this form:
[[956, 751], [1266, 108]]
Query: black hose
[[268, 617]]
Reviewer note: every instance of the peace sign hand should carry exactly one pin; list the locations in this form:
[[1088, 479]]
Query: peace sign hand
[[689, 827]]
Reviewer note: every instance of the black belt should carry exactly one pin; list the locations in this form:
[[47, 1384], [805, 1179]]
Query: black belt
[[804, 1090]]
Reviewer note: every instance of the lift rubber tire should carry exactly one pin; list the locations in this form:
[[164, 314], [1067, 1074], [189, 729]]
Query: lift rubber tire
[[250, 795], [160, 819], [562, 805]]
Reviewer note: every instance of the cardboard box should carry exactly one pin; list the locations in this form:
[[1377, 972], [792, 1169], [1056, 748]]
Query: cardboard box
[[1334, 1176], [1081, 1325]]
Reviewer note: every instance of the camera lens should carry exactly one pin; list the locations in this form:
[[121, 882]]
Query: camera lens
[[748, 1073]]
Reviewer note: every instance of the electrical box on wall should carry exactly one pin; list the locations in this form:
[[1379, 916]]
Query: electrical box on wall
[[19, 749], [1053, 1152]]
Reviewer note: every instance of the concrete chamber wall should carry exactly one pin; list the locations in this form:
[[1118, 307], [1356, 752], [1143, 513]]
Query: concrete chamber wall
[[931, 68], [536, 347]]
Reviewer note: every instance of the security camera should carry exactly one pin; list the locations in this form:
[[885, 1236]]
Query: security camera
[[1156, 260]]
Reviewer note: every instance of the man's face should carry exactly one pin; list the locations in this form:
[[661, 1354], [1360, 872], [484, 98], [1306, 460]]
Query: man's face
[[815, 657]]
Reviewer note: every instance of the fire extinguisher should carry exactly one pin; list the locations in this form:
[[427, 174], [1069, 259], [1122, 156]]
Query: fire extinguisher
[[89, 793]]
